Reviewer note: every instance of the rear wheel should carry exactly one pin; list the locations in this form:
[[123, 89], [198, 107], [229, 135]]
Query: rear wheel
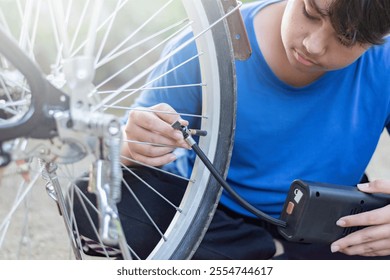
[[120, 72]]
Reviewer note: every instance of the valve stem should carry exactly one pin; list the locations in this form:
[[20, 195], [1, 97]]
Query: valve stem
[[198, 132], [187, 132]]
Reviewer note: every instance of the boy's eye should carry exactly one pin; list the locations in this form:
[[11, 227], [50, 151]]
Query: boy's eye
[[309, 16]]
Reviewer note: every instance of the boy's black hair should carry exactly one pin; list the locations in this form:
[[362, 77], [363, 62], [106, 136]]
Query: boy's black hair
[[361, 21]]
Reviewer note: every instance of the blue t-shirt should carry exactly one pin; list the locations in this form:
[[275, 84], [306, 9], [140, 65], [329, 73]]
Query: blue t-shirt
[[326, 131]]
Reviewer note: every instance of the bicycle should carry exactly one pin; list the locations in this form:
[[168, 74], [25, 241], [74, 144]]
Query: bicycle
[[62, 113]]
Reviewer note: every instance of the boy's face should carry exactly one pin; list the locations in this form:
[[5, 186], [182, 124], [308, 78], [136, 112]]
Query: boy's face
[[311, 42]]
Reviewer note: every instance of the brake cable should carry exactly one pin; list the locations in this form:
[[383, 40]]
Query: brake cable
[[187, 134]]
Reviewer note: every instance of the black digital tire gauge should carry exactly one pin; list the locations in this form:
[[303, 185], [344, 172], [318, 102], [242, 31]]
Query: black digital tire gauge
[[312, 209]]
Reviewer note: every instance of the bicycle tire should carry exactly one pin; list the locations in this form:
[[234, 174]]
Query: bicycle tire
[[188, 226]]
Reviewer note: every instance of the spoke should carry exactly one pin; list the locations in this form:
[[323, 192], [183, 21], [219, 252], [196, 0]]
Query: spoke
[[98, 29], [83, 198], [149, 144], [143, 209], [7, 223], [155, 111], [161, 61], [29, 19], [56, 35], [79, 25], [5, 105], [151, 188], [108, 30], [153, 88], [8, 95], [156, 169], [20, 11], [142, 26], [58, 19], [25, 230], [68, 14], [84, 202], [7, 30], [109, 58], [34, 30], [19, 200], [15, 82], [139, 59], [62, 23], [93, 26], [70, 175], [60, 36], [26, 21], [136, 79], [72, 219], [4, 232], [4, 23]]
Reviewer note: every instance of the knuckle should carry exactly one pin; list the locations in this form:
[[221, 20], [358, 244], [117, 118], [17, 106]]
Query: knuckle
[[371, 219], [367, 237], [167, 112], [157, 139], [165, 107], [133, 115], [368, 249], [128, 129], [149, 151], [136, 157], [148, 122]]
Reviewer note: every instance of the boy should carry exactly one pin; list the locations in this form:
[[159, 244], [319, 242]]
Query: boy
[[316, 93]]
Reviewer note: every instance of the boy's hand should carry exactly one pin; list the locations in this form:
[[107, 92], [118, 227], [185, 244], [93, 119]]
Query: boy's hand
[[153, 126], [374, 239]]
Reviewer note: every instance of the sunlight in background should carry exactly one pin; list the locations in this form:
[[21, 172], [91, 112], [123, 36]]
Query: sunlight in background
[[45, 43], [39, 33]]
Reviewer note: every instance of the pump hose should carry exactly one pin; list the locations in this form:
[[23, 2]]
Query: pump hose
[[233, 193]]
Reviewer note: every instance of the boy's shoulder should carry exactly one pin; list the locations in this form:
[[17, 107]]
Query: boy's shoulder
[[251, 8], [381, 53]]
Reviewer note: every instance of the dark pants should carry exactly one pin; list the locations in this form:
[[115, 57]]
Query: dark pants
[[230, 235]]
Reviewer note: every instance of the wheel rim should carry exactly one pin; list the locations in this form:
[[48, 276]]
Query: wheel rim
[[171, 246]]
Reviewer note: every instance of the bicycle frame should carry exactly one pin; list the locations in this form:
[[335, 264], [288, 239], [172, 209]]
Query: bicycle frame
[[38, 122]]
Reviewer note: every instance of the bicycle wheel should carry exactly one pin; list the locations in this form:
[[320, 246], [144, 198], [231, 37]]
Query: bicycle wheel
[[51, 32]]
